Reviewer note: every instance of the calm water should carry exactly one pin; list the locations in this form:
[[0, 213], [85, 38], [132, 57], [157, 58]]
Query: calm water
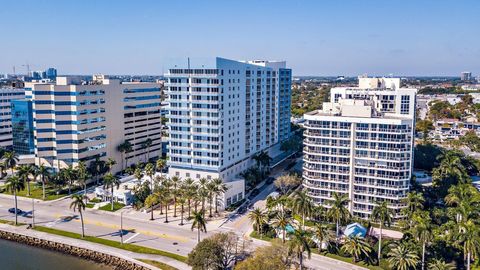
[[15, 256]]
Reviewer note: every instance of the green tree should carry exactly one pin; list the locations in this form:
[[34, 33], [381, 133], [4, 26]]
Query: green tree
[[468, 237], [414, 201], [303, 205], [150, 202], [146, 145], [382, 215], [110, 181], [220, 189], [281, 221], [401, 257], [299, 244], [23, 172], [160, 164], [219, 251], [110, 163], [82, 176], [10, 160], [175, 180], [44, 174], [424, 126], [270, 257], [422, 231], [258, 218], [451, 171], [437, 264], [125, 148], [357, 247], [199, 223], [338, 211], [322, 234], [13, 185], [78, 205]]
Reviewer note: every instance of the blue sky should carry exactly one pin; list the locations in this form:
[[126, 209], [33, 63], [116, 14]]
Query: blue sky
[[314, 37]]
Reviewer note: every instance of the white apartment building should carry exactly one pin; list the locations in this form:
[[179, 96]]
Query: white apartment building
[[7, 94], [76, 120], [361, 144], [220, 117]]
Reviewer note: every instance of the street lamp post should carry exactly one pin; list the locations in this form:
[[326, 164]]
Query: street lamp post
[[121, 227], [33, 213]]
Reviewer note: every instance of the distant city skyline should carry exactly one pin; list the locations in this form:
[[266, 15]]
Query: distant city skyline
[[316, 38]]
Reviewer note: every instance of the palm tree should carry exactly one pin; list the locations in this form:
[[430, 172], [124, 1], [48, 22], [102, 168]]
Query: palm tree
[[82, 175], [110, 181], [357, 247], [437, 264], [165, 199], [258, 218], [78, 204], [299, 244], [190, 193], [401, 257], [150, 172], [96, 168], [110, 163], [414, 201], [23, 172], [211, 189], [10, 160], [175, 180], [44, 174], [13, 185], [382, 215], [303, 205], [181, 200], [338, 211], [281, 221], [468, 237], [68, 175], [220, 188], [138, 173], [199, 222], [422, 231], [161, 163], [124, 148], [146, 145], [323, 234], [150, 202]]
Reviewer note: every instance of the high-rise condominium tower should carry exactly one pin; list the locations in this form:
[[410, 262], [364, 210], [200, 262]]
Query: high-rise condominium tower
[[361, 144], [220, 117], [7, 95]]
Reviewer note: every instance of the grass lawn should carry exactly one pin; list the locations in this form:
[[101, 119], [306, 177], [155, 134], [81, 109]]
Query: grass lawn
[[157, 264], [116, 206], [37, 193], [89, 205], [348, 260], [111, 243], [256, 235], [2, 221]]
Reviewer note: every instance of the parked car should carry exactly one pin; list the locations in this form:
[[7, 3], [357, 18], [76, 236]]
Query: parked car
[[254, 193], [12, 210]]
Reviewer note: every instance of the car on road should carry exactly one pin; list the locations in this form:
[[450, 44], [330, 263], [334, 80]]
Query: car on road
[[254, 193], [12, 210], [270, 180]]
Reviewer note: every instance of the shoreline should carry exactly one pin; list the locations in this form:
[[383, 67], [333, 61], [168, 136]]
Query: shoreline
[[112, 260]]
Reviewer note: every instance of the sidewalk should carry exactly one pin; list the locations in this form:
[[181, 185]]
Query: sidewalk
[[127, 255]]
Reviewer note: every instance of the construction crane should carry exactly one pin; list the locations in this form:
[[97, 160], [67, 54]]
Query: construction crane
[[28, 68]]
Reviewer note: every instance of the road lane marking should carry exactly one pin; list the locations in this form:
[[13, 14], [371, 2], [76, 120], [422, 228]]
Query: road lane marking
[[131, 237]]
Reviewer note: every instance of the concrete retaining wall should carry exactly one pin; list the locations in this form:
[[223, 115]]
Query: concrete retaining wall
[[95, 256]]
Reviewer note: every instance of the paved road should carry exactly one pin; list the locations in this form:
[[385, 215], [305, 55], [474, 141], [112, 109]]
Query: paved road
[[139, 230]]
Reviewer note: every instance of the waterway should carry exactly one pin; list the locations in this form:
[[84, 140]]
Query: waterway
[[15, 256]]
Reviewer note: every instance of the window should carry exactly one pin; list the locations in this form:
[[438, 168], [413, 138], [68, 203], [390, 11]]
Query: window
[[405, 104]]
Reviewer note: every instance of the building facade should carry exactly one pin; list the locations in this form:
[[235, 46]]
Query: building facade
[[80, 121], [8, 94], [361, 144], [22, 127], [220, 117]]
